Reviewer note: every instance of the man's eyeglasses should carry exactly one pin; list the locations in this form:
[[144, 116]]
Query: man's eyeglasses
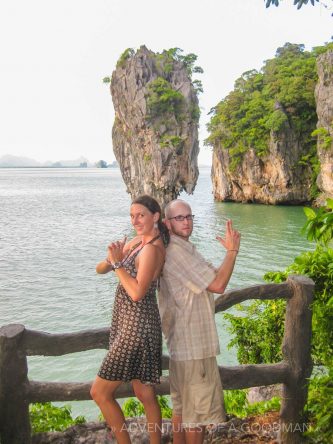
[[182, 218]]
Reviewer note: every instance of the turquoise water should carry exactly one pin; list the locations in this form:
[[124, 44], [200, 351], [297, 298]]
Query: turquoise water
[[55, 226]]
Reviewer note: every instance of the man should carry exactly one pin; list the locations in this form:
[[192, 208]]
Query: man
[[188, 323]]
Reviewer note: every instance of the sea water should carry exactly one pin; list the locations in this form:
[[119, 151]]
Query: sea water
[[55, 225]]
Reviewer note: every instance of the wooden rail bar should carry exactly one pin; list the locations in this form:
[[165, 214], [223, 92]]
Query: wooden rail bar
[[253, 375], [241, 376], [265, 291], [47, 344], [76, 391], [16, 343]]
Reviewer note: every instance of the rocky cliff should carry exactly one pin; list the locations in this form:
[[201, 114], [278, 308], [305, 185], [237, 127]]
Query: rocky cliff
[[324, 99], [155, 132], [264, 132], [275, 178]]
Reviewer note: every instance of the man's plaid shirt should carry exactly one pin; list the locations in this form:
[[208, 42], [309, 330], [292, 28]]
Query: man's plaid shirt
[[186, 307]]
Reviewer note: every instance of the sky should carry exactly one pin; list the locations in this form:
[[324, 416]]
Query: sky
[[54, 105]]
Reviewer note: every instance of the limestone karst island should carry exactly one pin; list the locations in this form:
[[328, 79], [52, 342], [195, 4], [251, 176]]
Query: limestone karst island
[[272, 136]]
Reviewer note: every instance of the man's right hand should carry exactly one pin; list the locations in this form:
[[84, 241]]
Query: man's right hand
[[231, 241]]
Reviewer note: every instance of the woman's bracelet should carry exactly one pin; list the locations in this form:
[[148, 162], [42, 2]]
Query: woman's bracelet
[[114, 266], [233, 249], [107, 260]]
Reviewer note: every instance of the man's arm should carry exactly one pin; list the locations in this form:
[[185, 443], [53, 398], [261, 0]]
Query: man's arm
[[223, 274], [231, 243]]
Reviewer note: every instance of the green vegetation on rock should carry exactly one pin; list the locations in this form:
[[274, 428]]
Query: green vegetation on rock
[[166, 106], [124, 56], [263, 103], [162, 98], [324, 138], [172, 142], [121, 62], [147, 158], [164, 101], [166, 59], [167, 109]]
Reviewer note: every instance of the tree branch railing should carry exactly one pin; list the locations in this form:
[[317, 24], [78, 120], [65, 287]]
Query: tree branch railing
[[17, 342]]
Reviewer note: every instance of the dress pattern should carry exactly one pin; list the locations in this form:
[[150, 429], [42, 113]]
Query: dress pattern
[[135, 350]]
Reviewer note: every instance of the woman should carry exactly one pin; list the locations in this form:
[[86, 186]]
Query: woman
[[135, 337]]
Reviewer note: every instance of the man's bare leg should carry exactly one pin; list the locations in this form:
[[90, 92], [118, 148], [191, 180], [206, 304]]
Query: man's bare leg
[[177, 430], [195, 435]]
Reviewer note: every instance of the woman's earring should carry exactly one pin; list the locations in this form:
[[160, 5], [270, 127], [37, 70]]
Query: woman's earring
[[155, 225]]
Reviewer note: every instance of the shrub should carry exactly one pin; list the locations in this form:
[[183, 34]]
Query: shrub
[[124, 56], [47, 417], [320, 408], [324, 138], [132, 407], [236, 404], [258, 333], [176, 142], [164, 101]]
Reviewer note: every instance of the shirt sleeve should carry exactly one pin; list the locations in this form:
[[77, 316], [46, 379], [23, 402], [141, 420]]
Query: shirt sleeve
[[190, 270]]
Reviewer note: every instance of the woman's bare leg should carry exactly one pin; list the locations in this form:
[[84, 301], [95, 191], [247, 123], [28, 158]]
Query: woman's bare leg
[[146, 394], [102, 392]]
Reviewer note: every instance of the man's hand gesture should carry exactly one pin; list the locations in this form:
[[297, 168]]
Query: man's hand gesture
[[231, 241]]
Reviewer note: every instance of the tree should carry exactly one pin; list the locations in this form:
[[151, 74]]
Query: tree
[[101, 164], [298, 3]]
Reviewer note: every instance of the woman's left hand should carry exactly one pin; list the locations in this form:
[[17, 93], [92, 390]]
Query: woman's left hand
[[116, 251]]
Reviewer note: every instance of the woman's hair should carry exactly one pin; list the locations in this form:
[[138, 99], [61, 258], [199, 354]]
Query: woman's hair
[[154, 207]]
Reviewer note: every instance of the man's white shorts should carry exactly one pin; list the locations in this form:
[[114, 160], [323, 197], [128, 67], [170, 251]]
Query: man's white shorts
[[196, 392]]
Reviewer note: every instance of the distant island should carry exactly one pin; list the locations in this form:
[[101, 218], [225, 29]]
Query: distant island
[[9, 161]]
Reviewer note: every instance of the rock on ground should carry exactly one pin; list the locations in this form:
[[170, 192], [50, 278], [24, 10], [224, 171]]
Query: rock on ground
[[256, 429]]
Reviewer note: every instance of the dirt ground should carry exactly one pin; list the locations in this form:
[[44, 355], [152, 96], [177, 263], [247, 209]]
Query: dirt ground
[[251, 430]]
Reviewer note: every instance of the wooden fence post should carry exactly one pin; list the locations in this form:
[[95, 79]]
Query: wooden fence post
[[296, 349], [14, 406]]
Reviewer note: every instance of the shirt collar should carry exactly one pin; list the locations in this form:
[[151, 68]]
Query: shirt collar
[[178, 240]]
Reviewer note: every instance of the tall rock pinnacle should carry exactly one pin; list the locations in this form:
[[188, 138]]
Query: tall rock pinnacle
[[155, 132]]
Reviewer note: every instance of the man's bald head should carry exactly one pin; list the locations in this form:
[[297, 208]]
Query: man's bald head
[[174, 206], [182, 228]]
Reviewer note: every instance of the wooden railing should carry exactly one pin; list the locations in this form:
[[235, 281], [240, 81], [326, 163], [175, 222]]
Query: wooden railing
[[17, 342]]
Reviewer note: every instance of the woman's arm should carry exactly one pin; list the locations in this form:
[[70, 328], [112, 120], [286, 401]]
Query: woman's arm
[[104, 267], [149, 261]]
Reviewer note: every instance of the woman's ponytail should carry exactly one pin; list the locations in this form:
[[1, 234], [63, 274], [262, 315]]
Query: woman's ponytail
[[165, 235]]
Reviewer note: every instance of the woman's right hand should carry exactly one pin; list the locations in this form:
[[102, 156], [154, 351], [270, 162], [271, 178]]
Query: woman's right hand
[[104, 267], [116, 251]]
